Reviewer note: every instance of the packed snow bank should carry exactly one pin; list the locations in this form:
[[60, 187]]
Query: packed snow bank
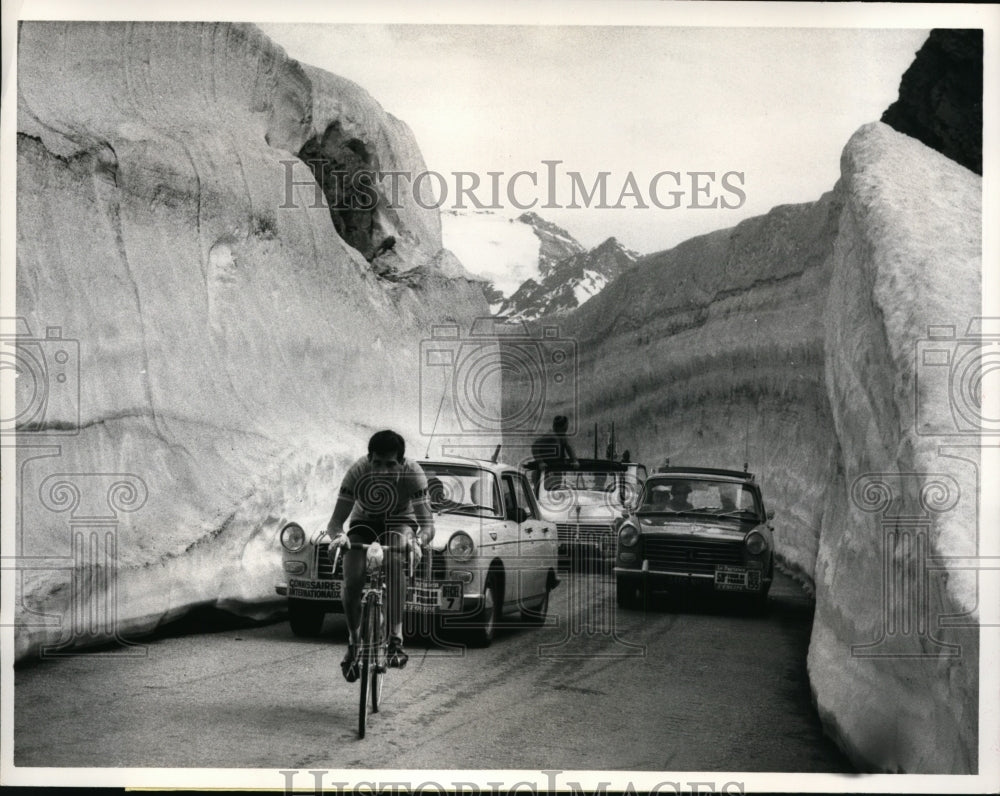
[[710, 354], [817, 343], [229, 352], [894, 655]]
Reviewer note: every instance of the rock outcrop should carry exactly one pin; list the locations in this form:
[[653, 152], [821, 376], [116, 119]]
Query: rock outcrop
[[229, 347], [829, 346], [941, 97], [555, 243]]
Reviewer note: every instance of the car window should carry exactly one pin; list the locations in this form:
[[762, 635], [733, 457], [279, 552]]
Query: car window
[[694, 494], [521, 495], [509, 498], [459, 489]]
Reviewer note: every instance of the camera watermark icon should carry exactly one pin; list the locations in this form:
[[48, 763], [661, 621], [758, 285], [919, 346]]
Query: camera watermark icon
[[955, 377], [498, 379], [93, 502], [906, 503], [46, 371]]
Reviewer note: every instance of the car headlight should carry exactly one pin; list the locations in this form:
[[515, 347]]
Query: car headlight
[[460, 546], [756, 543], [628, 535], [293, 538]]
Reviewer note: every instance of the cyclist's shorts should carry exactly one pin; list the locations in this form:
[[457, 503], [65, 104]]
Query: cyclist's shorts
[[381, 531]]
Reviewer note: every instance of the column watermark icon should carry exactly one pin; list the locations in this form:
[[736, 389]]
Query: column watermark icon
[[93, 503], [906, 505]]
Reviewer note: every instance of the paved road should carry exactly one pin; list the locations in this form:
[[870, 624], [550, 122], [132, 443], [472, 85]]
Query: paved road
[[670, 688]]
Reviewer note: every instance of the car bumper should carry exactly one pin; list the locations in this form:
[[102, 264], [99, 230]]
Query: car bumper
[[470, 604], [756, 579]]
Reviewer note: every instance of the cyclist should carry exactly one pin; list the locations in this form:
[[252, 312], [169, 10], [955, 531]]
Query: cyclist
[[385, 496]]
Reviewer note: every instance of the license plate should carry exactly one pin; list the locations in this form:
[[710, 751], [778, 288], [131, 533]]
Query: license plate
[[314, 589], [730, 578], [434, 598]]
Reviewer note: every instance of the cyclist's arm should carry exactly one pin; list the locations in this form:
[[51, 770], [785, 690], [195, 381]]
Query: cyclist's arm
[[341, 512], [425, 517]]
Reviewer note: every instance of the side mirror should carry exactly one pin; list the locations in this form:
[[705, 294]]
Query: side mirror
[[521, 514], [770, 514]]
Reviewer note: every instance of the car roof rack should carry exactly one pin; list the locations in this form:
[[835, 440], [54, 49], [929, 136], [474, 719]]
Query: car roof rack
[[743, 475], [583, 465]]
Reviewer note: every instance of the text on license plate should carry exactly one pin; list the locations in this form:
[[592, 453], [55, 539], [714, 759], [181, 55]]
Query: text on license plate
[[314, 589], [434, 597], [736, 578]]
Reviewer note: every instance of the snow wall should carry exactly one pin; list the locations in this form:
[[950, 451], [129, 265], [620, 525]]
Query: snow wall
[[828, 345], [201, 352]]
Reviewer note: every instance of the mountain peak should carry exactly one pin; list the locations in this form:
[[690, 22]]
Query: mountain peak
[[570, 281]]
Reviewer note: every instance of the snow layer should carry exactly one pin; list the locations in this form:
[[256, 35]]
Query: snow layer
[[799, 342], [234, 352]]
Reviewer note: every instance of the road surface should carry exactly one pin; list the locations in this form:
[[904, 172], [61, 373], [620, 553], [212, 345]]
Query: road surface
[[668, 688]]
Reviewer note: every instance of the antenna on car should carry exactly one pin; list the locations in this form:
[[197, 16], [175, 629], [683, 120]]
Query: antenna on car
[[496, 454], [746, 434], [444, 392]]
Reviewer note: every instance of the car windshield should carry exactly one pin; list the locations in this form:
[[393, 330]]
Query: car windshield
[[680, 495], [462, 489], [615, 488]]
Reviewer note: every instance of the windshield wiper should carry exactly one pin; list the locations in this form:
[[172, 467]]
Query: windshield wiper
[[468, 508]]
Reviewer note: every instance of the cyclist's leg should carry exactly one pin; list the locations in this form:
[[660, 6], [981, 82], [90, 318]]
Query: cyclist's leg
[[354, 582], [395, 570]]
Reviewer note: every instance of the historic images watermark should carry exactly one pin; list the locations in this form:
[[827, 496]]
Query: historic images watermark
[[320, 782], [46, 412], [548, 187]]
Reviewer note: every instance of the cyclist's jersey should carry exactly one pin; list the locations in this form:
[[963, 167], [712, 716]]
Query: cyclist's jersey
[[383, 497]]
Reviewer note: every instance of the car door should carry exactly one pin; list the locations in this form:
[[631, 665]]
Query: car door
[[526, 571]]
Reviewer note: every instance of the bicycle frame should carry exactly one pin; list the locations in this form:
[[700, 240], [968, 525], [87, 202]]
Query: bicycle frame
[[373, 649]]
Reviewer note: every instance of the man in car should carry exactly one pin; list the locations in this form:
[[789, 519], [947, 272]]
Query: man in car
[[385, 496], [553, 451], [679, 497]]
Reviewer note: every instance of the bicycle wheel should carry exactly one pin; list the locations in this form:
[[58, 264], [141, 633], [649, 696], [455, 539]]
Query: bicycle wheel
[[379, 653], [366, 664]]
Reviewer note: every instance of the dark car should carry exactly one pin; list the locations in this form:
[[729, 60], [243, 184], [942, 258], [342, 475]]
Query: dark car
[[696, 528]]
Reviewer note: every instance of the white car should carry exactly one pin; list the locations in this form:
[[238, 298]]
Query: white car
[[492, 555], [587, 502]]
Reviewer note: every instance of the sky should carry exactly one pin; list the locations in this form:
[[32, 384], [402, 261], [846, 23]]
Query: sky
[[761, 113]]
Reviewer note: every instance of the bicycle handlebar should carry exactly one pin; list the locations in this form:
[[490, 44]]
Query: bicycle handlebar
[[366, 545]]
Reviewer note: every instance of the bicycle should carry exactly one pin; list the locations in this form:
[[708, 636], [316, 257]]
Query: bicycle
[[373, 649]]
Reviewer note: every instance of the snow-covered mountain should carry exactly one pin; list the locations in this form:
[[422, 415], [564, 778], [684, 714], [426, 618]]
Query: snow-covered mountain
[[566, 284], [506, 251]]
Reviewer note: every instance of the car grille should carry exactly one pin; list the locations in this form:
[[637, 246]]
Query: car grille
[[324, 567], [691, 555], [585, 533], [439, 566]]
